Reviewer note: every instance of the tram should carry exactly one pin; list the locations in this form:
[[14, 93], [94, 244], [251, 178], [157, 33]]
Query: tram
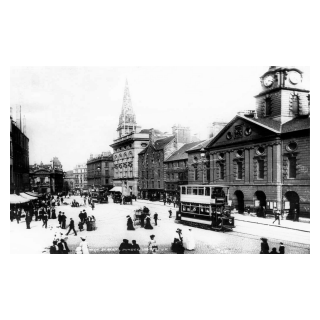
[[205, 205]]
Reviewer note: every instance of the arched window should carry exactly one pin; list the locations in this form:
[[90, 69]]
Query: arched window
[[295, 105]]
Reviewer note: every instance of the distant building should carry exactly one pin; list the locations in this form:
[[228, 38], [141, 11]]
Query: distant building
[[130, 141], [47, 178], [69, 181], [182, 134], [215, 128], [80, 177], [19, 157], [100, 171]]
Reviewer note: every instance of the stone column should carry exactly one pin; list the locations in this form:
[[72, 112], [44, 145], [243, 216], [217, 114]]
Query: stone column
[[246, 166], [212, 167], [269, 163]]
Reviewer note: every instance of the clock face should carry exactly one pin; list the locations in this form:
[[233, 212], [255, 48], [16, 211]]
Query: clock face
[[294, 77], [268, 81]]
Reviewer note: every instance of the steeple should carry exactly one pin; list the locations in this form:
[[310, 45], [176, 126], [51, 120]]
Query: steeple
[[127, 119]]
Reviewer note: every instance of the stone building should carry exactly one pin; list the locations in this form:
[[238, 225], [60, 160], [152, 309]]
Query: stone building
[[47, 178], [182, 134], [80, 177], [100, 172], [19, 158], [151, 166], [69, 181], [215, 128], [263, 155], [130, 141], [176, 171]]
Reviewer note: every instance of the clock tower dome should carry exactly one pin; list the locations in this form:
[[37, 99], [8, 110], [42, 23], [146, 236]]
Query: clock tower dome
[[283, 96]]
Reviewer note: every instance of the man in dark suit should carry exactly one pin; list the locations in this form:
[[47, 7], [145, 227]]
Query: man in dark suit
[[28, 219], [71, 227], [45, 219], [63, 221]]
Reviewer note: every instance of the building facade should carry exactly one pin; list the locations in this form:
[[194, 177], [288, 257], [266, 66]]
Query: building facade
[[19, 159], [263, 155], [176, 171], [69, 181], [80, 177], [47, 178], [151, 166], [129, 142], [215, 128], [100, 171]]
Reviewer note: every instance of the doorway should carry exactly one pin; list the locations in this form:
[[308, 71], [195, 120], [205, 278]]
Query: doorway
[[261, 196], [294, 200], [238, 200]]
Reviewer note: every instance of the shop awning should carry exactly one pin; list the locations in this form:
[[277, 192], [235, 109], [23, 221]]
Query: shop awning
[[33, 194], [26, 196], [17, 199], [116, 189]]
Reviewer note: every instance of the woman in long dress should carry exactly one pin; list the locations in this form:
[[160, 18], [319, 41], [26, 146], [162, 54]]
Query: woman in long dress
[[148, 223], [189, 242], [152, 245], [130, 224], [84, 245]]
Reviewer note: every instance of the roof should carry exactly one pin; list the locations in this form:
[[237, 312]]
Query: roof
[[296, 124], [269, 123], [181, 153], [148, 130], [200, 145], [161, 143]]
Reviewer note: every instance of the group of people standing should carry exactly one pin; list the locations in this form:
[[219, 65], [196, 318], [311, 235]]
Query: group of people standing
[[265, 248]]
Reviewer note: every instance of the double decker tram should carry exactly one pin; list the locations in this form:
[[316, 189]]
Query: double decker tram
[[205, 205]]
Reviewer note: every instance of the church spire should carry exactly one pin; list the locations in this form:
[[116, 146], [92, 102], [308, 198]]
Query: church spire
[[127, 119]]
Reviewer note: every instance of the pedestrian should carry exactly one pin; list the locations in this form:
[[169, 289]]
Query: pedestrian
[[45, 220], [80, 225], [130, 223], [189, 240], [18, 215], [54, 213], [59, 218], [295, 215], [148, 223], [155, 217], [71, 227], [28, 220], [124, 247], [164, 201], [63, 247], [281, 248], [81, 216], [54, 249], [84, 245], [170, 213], [263, 212], [264, 246], [277, 216], [135, 247], [92, 205], [152, 245], [142, 217], [274, 251], [12, 213], [63, 221]]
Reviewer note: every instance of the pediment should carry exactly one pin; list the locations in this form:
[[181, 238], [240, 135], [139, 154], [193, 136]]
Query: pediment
[[241, 130]]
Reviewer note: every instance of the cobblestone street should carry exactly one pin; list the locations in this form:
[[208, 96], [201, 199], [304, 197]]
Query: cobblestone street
[[111, 229]]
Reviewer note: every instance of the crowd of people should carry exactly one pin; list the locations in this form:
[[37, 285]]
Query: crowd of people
[[265, 247]]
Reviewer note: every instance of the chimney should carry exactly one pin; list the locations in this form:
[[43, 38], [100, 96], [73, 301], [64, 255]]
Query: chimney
[[151, 136]]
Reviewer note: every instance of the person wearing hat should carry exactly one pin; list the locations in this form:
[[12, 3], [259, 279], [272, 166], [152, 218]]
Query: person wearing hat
[[148, 223], [264, 246], [281, 248], [71, 227], [63, 221], [170, 213], [152, 245], [130, 223], [59, 218], [84, 213], [84, 245], [155, 217], [81, 217], [28, 220], [45, 219]]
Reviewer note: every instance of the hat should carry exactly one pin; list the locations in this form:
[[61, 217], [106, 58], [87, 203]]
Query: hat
[[128, 216], [178, 230], [83, 237], [152, 236], [281, 242], [264, 239]]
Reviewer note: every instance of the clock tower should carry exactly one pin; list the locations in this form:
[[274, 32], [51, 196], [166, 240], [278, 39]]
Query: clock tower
[[283, 96]]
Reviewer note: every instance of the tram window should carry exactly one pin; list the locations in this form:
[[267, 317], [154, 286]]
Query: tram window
[[201, 191], [195, 191], [207, 189], [189, 190], [195, 209], [204, 209], [183, 190]]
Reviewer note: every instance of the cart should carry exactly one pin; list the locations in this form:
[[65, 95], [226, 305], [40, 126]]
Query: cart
[[137, 217]]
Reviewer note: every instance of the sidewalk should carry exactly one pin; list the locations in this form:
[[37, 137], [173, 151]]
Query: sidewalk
[[287, 224]]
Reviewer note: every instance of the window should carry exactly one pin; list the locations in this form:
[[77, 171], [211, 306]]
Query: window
[[152, 184], [196, 174], [268, 106], [172, 176], [183, 190], [201, 191], [159, 173], [239, 170], [295, 105], [159, 184], [221, 171], [195, 191], [207, 189], [168, 176], [292, 168], [189, 189], [260, 169]]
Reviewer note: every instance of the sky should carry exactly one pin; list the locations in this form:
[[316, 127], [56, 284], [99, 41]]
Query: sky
[[72, 112]]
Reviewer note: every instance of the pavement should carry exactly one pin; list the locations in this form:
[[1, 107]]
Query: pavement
[[111, 229]]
